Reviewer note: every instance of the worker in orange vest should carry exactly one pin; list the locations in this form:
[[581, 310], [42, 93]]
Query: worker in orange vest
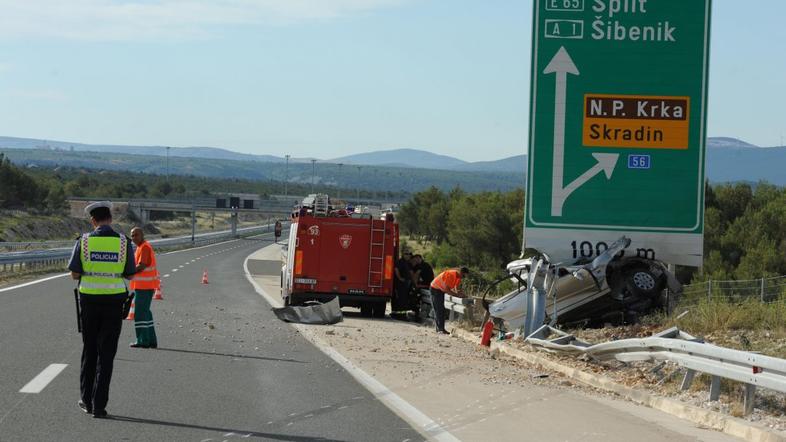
[[446, 282], [144, 284]]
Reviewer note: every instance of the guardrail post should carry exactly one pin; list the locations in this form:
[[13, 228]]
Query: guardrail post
[[749, 399], [715, 388], [762, 289], [709, 290], [688, 379]]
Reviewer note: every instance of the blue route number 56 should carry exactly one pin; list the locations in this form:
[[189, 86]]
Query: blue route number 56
[[639, 162]]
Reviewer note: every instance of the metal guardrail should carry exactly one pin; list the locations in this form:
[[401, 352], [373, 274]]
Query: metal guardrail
[[753, 370], [16, 260], [455, 308], [34, 245]]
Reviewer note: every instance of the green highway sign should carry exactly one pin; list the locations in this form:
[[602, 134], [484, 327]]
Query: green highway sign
[[617, 128]]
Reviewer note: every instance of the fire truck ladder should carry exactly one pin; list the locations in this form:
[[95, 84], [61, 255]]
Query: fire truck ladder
[[376, 262]]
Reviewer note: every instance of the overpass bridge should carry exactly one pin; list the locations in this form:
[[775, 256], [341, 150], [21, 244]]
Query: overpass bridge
[[142, 208]]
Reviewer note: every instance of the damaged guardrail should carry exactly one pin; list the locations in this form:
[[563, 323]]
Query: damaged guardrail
[[693, 354], [456, 308]]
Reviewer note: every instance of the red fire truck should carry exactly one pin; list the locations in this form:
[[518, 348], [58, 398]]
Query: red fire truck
[[337, 253]]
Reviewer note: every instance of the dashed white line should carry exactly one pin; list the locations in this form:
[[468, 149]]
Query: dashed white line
[[180, 267], [174, 270], [43, 379], [166, 276]]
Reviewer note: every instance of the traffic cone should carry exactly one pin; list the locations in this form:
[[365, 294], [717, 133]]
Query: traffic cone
[[158, 295], [130, 316], [204, 277]]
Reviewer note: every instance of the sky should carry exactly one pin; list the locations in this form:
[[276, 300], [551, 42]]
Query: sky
[[327, 78]]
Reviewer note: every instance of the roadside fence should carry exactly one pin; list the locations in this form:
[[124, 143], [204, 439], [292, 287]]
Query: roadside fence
[[764, 290]]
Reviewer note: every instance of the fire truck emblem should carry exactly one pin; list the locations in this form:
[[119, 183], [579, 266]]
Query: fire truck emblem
[[345, 240], [313, 230]]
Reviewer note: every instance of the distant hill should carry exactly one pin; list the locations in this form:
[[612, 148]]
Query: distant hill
[[722, 142], [183, 152], [728, 159], [367, 178], [402, 158], [516, 163]]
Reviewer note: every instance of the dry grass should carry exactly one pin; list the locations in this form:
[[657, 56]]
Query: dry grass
[[748, 325]]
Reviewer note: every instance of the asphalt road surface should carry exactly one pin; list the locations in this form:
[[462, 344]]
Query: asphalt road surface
[[226, 369]]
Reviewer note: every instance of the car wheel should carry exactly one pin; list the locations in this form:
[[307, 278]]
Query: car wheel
[[642, 282], [366, 309]]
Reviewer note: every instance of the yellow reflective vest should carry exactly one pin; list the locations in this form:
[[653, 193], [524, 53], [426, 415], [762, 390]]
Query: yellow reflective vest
[[103, 261]]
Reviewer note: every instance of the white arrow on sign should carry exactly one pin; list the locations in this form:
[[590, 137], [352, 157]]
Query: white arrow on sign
[[562, 65]]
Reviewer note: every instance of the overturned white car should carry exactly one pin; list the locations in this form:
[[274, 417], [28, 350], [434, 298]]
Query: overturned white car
[[610, 289]]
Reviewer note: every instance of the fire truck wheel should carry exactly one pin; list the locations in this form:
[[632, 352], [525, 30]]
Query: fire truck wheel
[[378, 309], [366, 309]]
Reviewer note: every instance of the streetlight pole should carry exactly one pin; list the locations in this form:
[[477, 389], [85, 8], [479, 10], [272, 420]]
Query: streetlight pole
[[313, 171], [286, 177], [338, 189], [357, 189], [167, 164]]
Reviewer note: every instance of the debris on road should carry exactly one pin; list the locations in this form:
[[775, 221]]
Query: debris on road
[[312, 313]]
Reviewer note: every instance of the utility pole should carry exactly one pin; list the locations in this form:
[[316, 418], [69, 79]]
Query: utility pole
[[286, 176], [313, 171], [357, 189], [338, 189]]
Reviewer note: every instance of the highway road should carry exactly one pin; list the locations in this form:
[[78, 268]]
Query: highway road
[[226, 369]]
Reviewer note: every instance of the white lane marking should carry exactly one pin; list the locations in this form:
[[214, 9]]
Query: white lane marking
[[174, 270], [166, 276], [37, 281], [43, 379], [418, 420], [180, 267]]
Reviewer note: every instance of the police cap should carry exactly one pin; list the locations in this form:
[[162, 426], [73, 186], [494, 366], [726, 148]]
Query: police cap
[[98, 208]]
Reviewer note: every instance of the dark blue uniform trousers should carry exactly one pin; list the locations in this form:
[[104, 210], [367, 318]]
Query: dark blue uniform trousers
[[102, 320]]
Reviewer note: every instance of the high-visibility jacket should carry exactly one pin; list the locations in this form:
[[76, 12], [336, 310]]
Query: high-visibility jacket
[[148, 278], [447, 281], [103, 261]]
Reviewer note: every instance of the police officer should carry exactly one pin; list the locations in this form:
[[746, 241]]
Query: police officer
[[101, 259]]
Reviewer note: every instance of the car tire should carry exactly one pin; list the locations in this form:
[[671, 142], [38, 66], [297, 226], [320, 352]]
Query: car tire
[[366, 309], [642, 282]]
